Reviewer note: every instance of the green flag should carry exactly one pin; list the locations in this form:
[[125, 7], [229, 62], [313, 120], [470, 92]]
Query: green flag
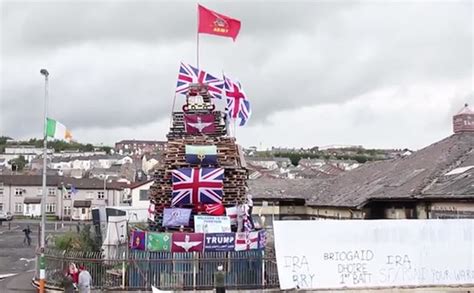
[[159, 241]]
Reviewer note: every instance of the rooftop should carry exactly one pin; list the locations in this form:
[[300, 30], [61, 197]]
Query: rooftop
[[36, 180], [424, 174]]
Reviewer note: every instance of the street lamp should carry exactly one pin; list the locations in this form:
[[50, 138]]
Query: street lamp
[[45, 73]]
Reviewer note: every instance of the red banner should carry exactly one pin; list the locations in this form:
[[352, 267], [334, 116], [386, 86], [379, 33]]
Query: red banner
[[213, 23]]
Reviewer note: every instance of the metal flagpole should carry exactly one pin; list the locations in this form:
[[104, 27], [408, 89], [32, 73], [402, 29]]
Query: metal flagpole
[[45, 73], [172, 109], [197, 38]]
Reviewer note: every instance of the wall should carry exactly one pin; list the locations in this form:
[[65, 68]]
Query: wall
[[451, 210], [136, 202]]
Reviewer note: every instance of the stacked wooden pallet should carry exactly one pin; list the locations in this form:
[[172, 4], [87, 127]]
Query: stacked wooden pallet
[[228, 156]]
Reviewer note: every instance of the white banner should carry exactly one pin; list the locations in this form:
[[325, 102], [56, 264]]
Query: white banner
[[211, 224], [374, 253]]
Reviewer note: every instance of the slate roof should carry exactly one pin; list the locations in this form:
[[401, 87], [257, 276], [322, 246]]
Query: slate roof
[[87, 158], [271, 188], [418, 176], [36, 180]]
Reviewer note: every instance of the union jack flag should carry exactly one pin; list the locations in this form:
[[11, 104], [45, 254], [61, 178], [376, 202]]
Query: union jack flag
[[189, 74], [238, 106], [197, 185]]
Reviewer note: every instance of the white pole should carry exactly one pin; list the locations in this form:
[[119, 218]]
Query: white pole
[[45, 73]]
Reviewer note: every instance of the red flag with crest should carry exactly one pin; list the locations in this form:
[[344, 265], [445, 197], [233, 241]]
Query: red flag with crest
[[213, 23]]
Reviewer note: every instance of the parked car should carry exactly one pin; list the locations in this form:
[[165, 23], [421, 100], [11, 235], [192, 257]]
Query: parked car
[[5, 216]]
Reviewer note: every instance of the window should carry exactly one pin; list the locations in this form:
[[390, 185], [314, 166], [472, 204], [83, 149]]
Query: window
[[143, 195], [67, 195], [50, 208], [67, 211], [100, 194], [18, 208], [51, 191], [19, 191], [1, 206], [1, 191], [83, 211]]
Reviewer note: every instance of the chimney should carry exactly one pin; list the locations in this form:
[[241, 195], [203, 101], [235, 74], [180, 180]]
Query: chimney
[[464, 120]]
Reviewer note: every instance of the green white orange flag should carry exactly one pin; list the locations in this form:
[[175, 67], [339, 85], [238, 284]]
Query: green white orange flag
[[56, 130]]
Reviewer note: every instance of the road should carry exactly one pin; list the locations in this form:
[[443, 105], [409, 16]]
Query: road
[[17, 260]]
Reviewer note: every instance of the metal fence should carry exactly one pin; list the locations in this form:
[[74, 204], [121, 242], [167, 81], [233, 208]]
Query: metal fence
[[139, 270]]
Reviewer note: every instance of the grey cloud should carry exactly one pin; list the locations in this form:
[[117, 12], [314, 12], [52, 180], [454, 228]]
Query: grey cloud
[[288, 55]]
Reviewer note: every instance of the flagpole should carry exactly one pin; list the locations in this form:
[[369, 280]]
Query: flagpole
[[172, 109], [197, 38], [42, 281]]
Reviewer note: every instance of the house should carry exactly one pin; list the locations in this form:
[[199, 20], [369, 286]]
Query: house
[[66, 197], [149, 161], [139, 147], [434, 182], [77, 153], [27, 151], [137, 194]]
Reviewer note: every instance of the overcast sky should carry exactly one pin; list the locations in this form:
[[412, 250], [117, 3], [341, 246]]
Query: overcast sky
[[378, 74]]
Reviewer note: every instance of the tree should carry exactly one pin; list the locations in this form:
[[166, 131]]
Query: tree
[[18, 164], [85, 240]]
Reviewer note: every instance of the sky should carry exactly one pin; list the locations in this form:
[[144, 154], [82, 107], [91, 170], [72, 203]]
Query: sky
[[382, 74]]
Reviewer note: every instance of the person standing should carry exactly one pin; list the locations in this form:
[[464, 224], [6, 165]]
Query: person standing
[[219, 279], [27, 238], [85, 281]]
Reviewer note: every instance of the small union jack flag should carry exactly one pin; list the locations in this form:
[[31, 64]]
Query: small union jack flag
[[189, 74], [238, 105], [197, 185]]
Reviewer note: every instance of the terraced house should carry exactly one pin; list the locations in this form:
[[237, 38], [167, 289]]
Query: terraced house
[[67, 198]]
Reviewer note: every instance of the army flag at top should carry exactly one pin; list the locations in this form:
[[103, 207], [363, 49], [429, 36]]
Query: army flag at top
[[57, 130], [213, 23]]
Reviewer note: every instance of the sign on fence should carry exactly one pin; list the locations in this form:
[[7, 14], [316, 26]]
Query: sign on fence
[[374, 253], [211, 224]]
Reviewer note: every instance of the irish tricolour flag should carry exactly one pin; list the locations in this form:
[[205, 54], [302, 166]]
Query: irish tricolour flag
[[57, 130]]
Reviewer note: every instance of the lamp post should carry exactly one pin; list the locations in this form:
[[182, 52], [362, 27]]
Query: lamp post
[[45, 73]]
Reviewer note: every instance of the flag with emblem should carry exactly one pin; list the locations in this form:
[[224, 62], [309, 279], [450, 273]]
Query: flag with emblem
[[262, 239], [158, 241], [213, 23], [246, 241], [216, 209], [238, 105], [231, 212], [211, 209], [219, 242], [151, 212], [201, 154], [138, 240], [175, 217], [187, 242], [197, 185], [199, 123], [189, 75]]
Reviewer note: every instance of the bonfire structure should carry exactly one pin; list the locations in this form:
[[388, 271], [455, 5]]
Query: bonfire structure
[[198, 141]]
